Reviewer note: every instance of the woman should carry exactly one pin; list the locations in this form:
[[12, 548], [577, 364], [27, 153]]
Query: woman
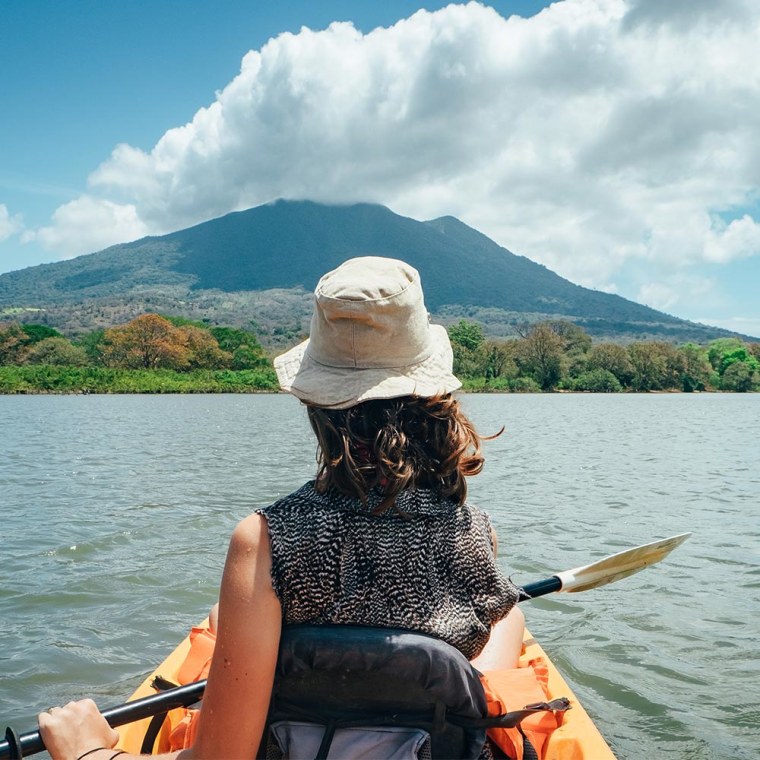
[[383, 536]]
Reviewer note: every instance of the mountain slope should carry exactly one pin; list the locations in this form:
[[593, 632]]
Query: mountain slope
[[287, 245], [292, 244]]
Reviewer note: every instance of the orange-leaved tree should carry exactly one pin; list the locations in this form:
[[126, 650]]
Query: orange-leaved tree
[[14, 343], [147, 342], [203, 350]]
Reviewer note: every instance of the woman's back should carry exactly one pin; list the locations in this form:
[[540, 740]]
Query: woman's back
[[426, 564]]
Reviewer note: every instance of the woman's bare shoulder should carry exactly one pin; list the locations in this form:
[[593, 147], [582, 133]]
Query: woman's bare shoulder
[[250, 535]]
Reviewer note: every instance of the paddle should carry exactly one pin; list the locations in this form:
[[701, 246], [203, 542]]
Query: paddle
[[604, 571], [598, 573]]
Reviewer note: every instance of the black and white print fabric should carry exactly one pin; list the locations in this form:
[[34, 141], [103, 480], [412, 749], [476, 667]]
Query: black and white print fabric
[[427, 565]]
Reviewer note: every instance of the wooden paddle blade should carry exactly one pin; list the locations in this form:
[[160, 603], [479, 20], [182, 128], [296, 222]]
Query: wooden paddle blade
[[618, 565]]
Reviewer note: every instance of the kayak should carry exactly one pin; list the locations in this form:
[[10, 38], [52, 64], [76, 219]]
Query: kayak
[[577, 738]]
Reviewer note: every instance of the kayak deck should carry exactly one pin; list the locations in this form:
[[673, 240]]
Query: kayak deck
[[577, 738]]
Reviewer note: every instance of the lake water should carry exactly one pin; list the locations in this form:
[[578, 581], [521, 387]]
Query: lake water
[[115, 513]]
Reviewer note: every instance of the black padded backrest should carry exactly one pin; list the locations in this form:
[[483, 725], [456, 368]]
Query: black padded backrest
[[390, 676]]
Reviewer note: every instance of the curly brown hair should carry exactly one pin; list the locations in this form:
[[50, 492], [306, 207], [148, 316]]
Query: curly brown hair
[[397, 444]]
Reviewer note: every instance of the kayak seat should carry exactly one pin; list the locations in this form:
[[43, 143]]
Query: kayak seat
[[361, 693]]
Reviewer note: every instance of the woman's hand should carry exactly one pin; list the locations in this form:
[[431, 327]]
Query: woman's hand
[[71, 731]]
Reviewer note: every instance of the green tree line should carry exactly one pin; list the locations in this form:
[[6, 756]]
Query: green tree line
[[559, 355], [152, 353]]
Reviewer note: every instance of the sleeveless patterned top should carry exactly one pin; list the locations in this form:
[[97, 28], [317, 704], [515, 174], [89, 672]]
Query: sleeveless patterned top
[[431, 568]]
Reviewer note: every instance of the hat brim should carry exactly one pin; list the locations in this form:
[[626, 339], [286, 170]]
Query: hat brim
[[341, 387]]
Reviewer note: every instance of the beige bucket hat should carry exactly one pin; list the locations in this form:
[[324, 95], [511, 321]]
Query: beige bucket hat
[[370, 338]]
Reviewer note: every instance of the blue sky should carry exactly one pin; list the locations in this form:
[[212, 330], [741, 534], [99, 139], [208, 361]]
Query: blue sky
[[611, 140]]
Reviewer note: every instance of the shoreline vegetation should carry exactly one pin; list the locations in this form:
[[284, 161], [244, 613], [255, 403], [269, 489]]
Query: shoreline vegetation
[[46, 379], [157, 354]]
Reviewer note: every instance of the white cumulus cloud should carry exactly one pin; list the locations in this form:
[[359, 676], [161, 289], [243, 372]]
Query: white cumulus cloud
[[89, 224], [739, 239], [9, 225], [664, 294], [592, 135]]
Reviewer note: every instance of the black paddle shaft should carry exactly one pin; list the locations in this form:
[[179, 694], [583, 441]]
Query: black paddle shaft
[[540, 588], [31, 742]]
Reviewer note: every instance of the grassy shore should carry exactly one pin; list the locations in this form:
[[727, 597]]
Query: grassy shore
[[46, 379], [52, 379]]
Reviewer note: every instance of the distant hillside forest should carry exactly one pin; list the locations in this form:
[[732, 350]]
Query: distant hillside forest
[[159, 354]]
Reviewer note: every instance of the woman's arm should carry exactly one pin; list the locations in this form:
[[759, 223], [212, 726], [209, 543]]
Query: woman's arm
[[240, 681], [237, 696]]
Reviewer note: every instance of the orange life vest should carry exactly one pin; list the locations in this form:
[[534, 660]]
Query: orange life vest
[[508, 690], [195, 667]]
